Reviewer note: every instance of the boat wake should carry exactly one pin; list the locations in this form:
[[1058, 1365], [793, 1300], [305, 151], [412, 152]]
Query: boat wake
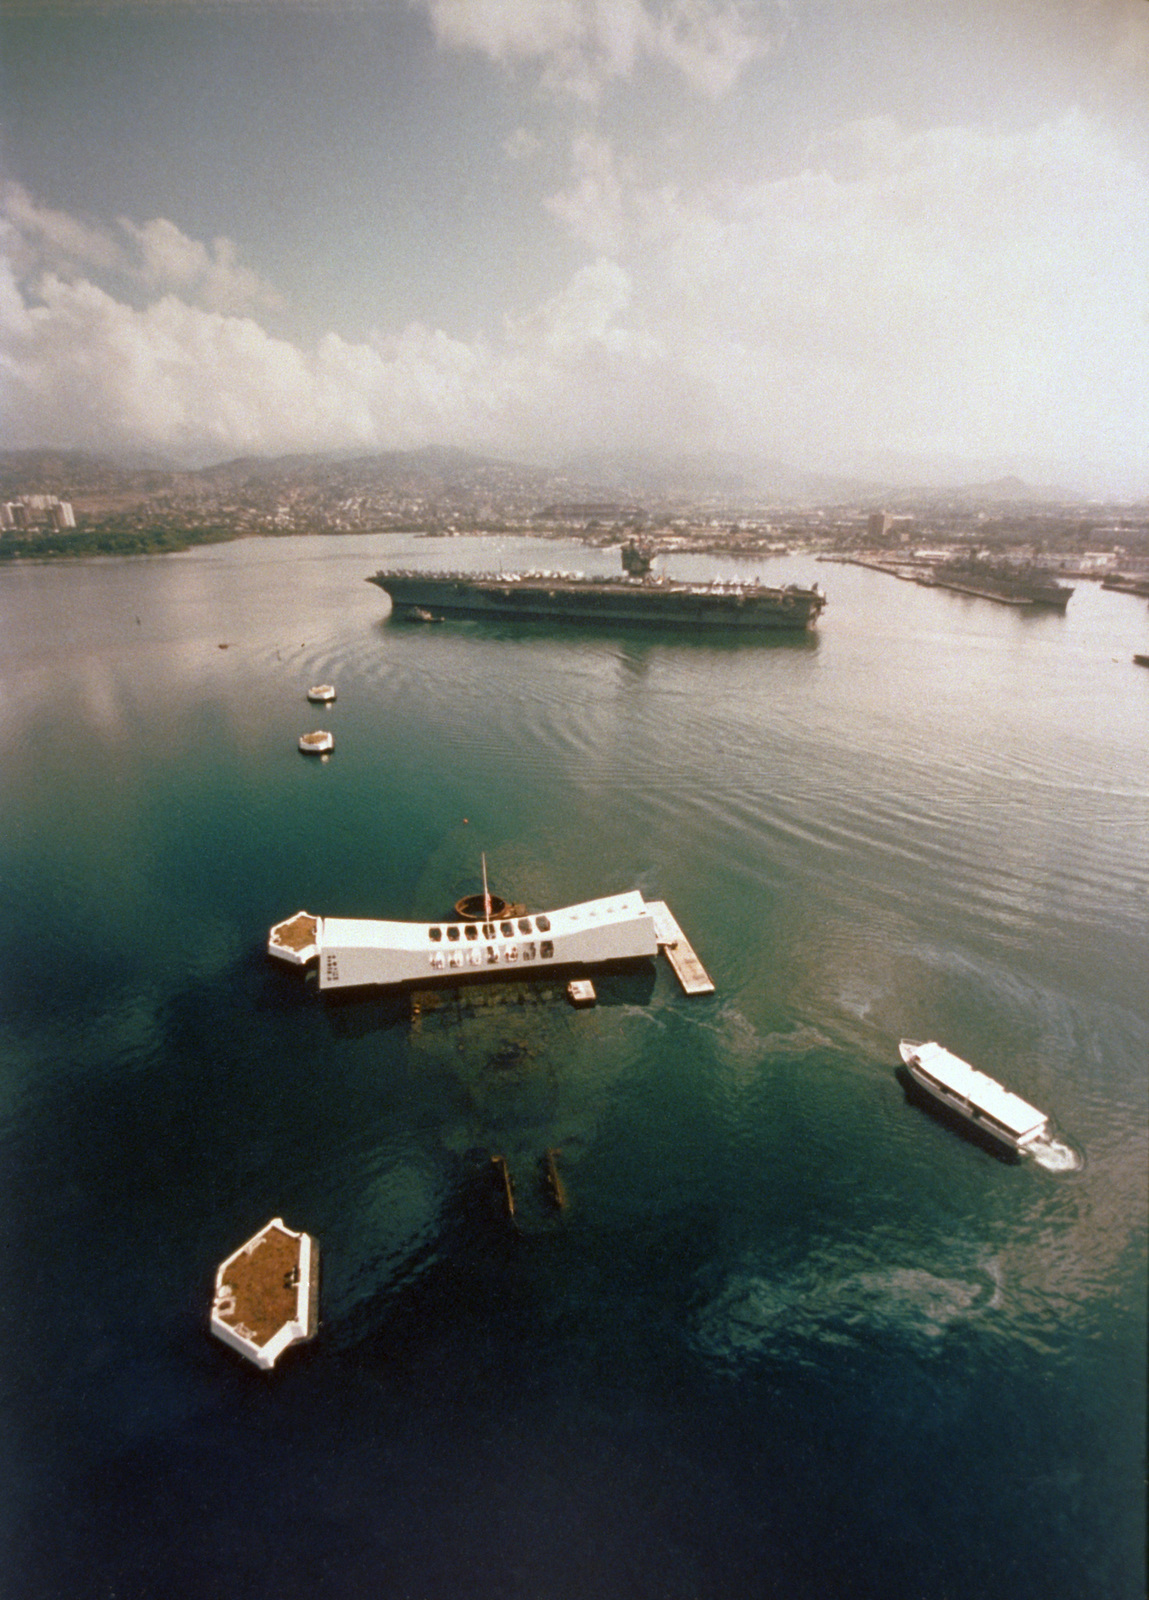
[[1054, 1156], [756, 1312]]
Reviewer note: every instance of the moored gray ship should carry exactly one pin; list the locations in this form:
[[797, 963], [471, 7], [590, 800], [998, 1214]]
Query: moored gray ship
[[638, 596], [1013, 583]]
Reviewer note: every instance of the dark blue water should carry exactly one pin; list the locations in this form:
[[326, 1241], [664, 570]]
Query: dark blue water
[[793, 1336]]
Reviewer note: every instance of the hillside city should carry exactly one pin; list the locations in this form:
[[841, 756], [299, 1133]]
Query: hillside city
[[61, 504]]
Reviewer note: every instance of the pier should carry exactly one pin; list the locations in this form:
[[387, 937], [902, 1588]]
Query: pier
[[675, 946]]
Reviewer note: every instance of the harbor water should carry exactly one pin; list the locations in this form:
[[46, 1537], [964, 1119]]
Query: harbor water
[[791, 1334]]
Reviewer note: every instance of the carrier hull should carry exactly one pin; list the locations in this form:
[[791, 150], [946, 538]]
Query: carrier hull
[[567, 597]]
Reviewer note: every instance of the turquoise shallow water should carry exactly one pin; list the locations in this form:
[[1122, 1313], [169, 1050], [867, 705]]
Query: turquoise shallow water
[[793, 1336]]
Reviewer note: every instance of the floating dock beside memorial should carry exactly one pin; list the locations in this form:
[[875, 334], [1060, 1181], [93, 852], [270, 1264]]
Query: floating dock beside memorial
[[675, 946]]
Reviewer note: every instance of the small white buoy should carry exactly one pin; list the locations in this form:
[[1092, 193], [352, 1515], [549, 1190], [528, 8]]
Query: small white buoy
[[319, 743], [321, 694]]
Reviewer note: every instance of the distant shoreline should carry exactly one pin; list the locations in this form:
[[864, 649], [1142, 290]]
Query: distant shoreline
[[89, 542], [85, 544]]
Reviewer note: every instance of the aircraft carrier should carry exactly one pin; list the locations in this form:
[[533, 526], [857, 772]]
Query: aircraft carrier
[[634, 596]]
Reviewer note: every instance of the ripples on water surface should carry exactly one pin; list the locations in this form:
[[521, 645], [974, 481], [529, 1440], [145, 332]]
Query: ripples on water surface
[[793, 1335]]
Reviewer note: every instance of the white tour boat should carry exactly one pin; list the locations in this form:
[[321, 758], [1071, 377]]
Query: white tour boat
[[951, 1081], [321, 694], [354, 952], [319, 743]]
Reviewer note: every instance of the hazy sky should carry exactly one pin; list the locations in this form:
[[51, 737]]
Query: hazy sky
[[848, 234]]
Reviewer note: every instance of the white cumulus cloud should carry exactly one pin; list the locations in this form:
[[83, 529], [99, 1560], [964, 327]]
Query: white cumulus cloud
[[579, 46], [34, 236], [166, 258], [146, 259], [594, 208], [948, 290], [952, 283]]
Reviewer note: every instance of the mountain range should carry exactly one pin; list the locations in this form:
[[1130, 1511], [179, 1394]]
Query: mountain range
[[649, 479]]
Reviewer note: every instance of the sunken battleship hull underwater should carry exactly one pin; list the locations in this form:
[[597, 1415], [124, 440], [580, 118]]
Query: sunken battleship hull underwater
[[638, 595]]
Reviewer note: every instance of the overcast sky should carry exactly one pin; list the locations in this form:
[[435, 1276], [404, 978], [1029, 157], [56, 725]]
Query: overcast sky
[[890, 236]]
